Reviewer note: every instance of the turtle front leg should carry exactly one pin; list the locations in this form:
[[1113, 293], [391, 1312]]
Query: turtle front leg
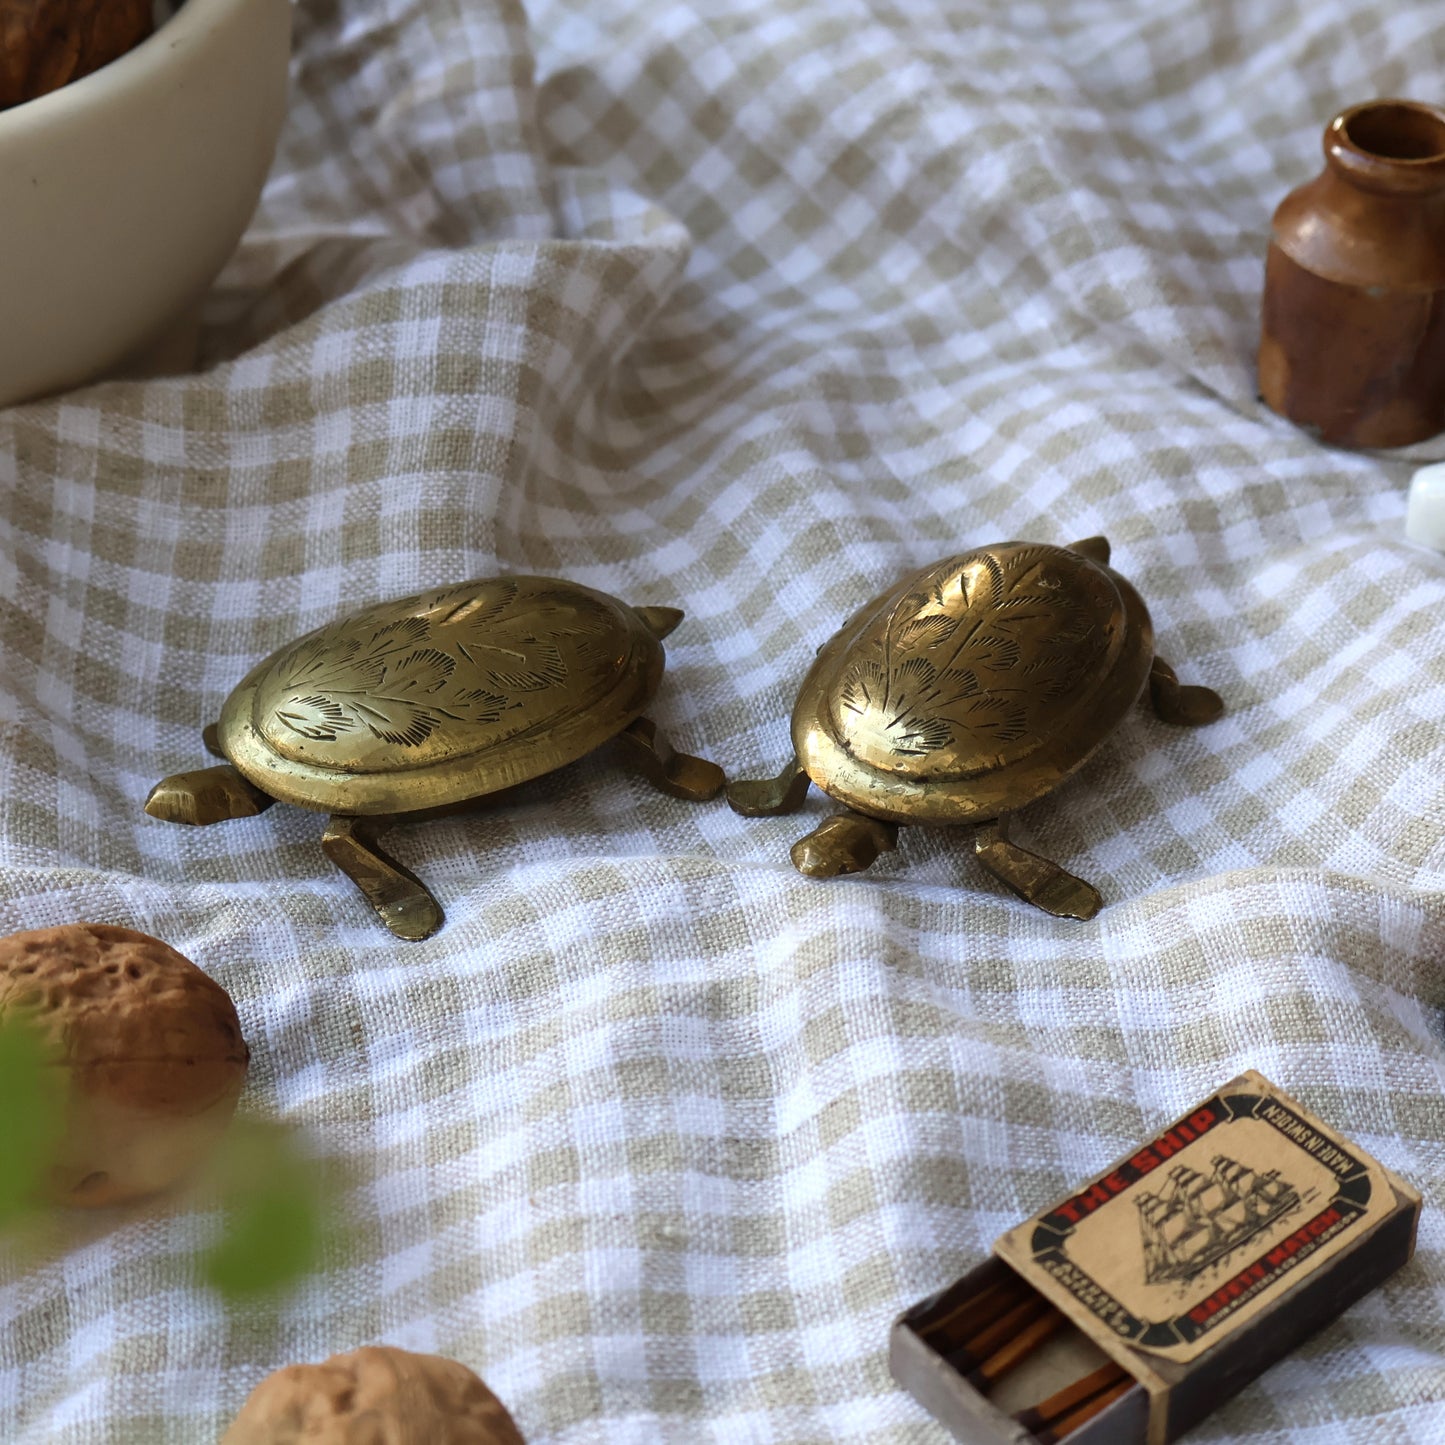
[[1036, 880], [401, 900], [646, 752], [844, 843], [1175, 702], [770, 797]]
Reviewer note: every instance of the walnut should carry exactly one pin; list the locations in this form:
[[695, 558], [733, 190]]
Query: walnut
[[377, 1395], [45, 44], [152, 1046]]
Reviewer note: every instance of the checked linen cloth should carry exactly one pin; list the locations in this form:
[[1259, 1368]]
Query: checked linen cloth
[[746, 308]]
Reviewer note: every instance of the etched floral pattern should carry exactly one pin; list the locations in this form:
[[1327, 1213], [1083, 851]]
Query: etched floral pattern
[[972, 658], [478, 662]]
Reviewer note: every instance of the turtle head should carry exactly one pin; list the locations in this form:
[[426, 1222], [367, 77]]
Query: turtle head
[[207, 795], [659, 621]]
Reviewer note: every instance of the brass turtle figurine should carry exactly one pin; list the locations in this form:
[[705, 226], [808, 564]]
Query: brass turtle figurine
[[961, 695], [419, 707]]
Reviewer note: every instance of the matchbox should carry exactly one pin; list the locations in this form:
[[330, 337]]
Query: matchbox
[[1128, 1310]]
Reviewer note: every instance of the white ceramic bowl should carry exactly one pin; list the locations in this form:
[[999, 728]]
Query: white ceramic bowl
[[123, 193]]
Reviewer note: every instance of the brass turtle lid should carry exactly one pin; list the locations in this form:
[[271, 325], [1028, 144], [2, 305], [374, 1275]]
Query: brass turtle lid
[[441, 697], [974, 686]]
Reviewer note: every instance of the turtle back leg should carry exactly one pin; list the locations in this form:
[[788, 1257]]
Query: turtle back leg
[[659, 621], [648, 753], [1096, 549], [1036, 880], [770, 797], [1176, 702], [206, 796], [401, 900], [845, 843]]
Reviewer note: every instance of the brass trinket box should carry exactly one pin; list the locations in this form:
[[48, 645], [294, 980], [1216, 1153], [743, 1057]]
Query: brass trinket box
[[1127, 1311], [964, 693], [425, 705]]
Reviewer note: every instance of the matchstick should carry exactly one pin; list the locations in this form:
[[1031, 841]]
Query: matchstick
[[1067, 1400], [1085, 1412], [971, 1352], [1019, 1348], [1002, 1293]]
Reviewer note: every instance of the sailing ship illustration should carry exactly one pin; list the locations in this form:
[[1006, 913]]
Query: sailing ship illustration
[[1195, 1219]]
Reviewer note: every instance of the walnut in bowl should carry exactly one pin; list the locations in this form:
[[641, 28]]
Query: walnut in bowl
[[124, 192], [45, 44]]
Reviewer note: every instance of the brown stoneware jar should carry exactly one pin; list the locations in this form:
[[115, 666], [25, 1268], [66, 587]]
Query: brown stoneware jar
[[1353, 347]]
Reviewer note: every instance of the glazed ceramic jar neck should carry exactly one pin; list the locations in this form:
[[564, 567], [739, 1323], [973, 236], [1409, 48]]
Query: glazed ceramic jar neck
[[1375, 217], [1390, 148]]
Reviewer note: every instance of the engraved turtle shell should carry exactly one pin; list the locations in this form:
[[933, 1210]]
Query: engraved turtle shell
[[973, 686], [442, 697]]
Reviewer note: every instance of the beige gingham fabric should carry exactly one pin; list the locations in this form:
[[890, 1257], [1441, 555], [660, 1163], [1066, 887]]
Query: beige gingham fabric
[[745, 306]]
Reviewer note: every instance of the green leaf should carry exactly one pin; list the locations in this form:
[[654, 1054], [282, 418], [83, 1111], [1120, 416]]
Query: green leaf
[[271, 1240], [32, 1115], [276, 1206]]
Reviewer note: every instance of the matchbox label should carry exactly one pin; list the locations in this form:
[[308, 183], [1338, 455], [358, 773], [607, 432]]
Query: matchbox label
[[1205, 1224]]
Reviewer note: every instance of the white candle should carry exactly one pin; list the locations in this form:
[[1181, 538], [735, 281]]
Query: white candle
[[1425, 507]]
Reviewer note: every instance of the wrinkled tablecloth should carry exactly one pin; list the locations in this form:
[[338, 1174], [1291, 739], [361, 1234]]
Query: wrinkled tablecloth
[[747, 308]]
